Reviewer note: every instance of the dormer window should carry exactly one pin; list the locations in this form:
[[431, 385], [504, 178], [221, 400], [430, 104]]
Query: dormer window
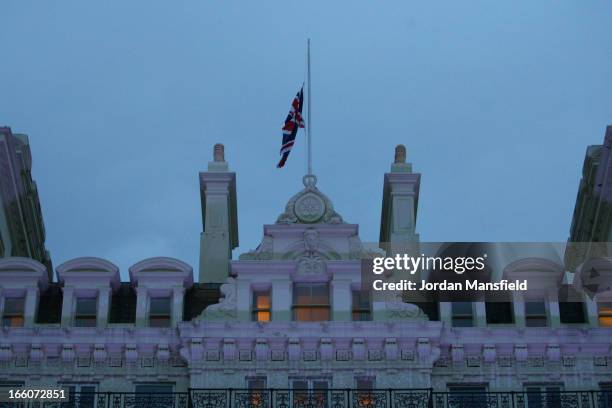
[[85, 312], [160, 312], [14, 308], [262, 306], [311, 302]]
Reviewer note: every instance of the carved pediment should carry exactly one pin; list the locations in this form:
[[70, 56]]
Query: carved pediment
[[309, 206]]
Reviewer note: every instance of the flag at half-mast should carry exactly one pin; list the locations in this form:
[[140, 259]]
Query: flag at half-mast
[[293, 122]]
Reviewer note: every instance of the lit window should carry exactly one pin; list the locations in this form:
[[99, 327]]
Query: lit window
[[535, 314], [85, 314], [365, 396], [13, 312], [159, 312], [258, 397], [311, 302], [463, 314], [262, 306], [499, 313], [605, 314], [362, 305]]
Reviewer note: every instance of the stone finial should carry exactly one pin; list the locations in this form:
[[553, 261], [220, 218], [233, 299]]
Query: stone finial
[[400, 154], [219, 153]]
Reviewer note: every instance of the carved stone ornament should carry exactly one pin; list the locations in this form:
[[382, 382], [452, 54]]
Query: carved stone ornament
[[397, 309], [311, 265], [309, 206], [227, 307]]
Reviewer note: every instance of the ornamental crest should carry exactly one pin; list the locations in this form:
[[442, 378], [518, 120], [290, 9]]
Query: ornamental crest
[[309, 206]]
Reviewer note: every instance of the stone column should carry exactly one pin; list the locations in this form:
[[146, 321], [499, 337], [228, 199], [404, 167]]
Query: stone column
[[592, 312], [281, 300], [518, 308], [341, 300], [67, 306], [244, 300], [103, 307], [480, 314], [177, 305], [142, 299], [31, 304], [552, 308], [446, 313]]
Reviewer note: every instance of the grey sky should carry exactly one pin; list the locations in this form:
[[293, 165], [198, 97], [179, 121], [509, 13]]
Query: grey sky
[[123, 101]]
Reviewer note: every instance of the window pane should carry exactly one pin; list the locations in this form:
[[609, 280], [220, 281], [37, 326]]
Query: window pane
[[535, 308], [261, 300], [14, 306], [462, 308], [462, 322], [301, 294], [262, 316], [320, 294], [572, 312], [308, 294], [319, 315], [86, 306], [258, 383], [499, 312], [361, 299], [153, 388], [160, 306], [12, 321], [364, 383], [472, 396], [605, 314], [85, 321], [159, 321]]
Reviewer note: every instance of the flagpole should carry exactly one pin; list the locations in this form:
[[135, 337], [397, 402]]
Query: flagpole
[[309, 119]]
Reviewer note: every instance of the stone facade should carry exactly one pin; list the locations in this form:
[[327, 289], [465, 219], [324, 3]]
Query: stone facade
[[260, 332]]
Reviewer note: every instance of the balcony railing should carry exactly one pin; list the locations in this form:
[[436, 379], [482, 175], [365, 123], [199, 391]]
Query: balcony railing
[[331, 398]]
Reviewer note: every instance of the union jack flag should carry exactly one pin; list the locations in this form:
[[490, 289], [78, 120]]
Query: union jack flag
[[293, 122]]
